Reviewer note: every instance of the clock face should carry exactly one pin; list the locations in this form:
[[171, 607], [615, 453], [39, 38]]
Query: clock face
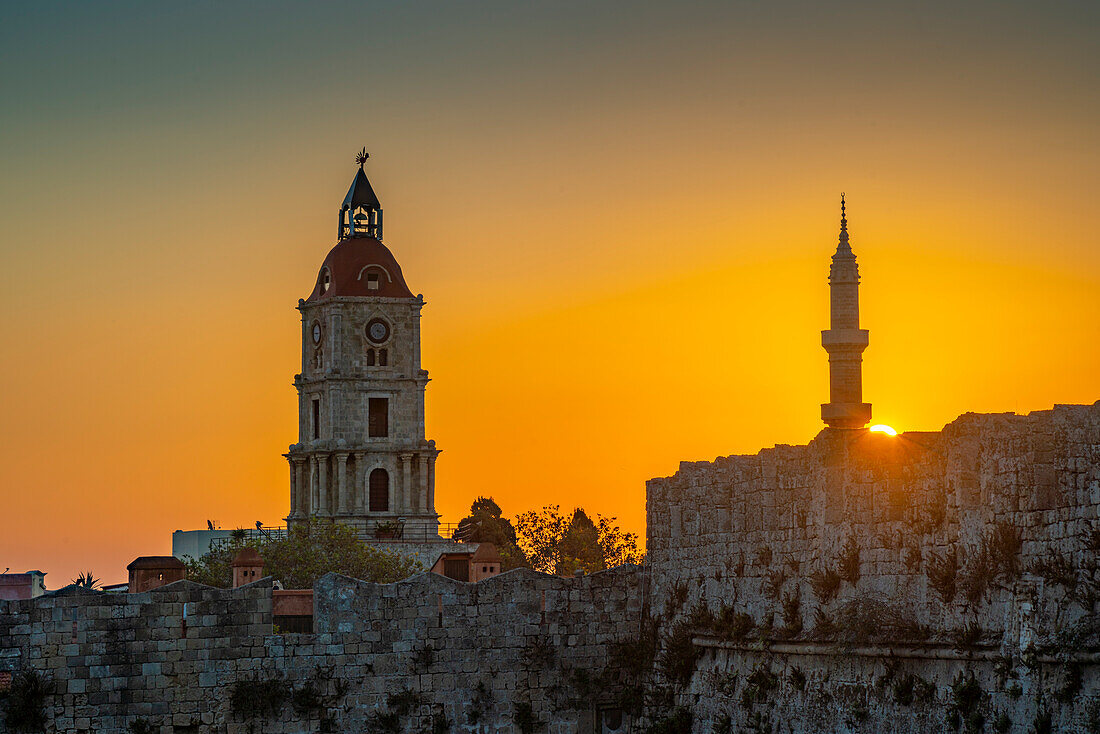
[[316, 333], [378, 331]]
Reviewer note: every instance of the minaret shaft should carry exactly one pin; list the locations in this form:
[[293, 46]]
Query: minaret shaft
[[844, 340]]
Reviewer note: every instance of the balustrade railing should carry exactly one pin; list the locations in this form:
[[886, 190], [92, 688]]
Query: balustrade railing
[[382, 531]]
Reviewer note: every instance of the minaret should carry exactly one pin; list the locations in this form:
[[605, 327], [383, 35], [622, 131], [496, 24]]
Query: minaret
[[844, 340]]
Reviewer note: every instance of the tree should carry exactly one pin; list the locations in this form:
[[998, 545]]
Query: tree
[[485, 524], [306, 554], [555, 543], [579, 547]]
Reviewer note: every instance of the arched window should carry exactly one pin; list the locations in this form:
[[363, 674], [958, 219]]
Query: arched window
[[370, 357], [379, 490]]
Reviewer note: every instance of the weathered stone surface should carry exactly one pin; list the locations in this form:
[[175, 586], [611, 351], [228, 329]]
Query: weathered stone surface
[[750, 533], [438, 638]]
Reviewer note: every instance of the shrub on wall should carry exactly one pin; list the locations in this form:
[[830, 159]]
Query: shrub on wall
[[849, 561], [996, 558], [964, 707], [480, 704], [792, 614], [524, 718], [943, 570], [679, 654], [678, 721], [869, 619], [825, 583], [24, 703]]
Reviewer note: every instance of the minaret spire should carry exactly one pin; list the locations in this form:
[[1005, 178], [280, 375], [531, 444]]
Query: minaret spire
[[844, 340]]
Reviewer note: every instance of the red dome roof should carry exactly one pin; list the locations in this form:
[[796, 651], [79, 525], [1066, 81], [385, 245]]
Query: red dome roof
[[354, 264]]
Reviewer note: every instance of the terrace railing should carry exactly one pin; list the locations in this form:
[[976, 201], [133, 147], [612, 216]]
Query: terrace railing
[[393, 531]]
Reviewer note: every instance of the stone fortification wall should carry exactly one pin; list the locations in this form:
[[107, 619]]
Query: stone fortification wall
[[980, 540], [516, 651]]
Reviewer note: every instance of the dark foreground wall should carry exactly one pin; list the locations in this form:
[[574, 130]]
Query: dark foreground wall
[[518, 652]]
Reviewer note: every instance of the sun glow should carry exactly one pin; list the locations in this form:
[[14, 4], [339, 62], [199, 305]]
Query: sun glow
[[882, 428]]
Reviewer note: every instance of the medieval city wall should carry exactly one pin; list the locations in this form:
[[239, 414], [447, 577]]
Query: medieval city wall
[[975, 548], [516, 651]]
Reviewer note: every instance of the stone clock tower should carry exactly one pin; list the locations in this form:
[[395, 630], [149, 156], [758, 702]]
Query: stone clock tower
[[361, 456]]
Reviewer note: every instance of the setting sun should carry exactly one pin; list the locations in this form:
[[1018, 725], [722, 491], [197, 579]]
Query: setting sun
[[882, 428]]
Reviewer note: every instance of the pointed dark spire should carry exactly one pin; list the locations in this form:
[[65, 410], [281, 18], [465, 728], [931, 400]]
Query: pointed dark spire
[[361, 212], [842, 245]]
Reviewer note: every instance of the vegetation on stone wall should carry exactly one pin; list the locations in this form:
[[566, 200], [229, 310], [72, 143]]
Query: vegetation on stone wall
[[943, 571], [848, 565], [480, 705], [868, 619], [524, 718], [677, 721], [142, 726], [759, 686], [423, 658], [964, 709], [387, 719], [307, 553], [539, 653], [824, 582], [265, 696], [996, 559], [24, 703]]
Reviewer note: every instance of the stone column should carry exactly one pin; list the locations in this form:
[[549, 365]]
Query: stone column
[[430, 508], [301, 507], [313, 485], [341, 483], [423, 470], [322, 485], [293, 489], [358, 492], [406, 483]]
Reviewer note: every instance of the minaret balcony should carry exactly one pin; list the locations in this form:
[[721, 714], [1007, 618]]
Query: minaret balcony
[[846, 415], [844, 338]]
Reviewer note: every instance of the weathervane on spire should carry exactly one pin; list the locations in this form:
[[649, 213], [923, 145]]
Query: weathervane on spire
[[361, 212]]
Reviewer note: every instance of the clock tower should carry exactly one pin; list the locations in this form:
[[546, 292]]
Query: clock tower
[[361, 457]]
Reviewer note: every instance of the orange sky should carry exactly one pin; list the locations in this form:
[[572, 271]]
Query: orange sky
[[620, 216]]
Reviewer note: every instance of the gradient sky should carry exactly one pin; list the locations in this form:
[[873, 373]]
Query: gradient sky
[[620, 215]]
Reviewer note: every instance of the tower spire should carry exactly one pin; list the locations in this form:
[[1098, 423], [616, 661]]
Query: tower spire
[[361, 212], [842, 243], [844, 340]]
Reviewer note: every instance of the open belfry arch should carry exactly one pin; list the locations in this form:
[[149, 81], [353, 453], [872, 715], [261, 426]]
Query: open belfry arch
[[361, 457]]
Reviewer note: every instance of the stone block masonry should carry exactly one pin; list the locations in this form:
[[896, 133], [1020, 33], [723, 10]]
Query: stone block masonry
[[984, 536], [411, 655]]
